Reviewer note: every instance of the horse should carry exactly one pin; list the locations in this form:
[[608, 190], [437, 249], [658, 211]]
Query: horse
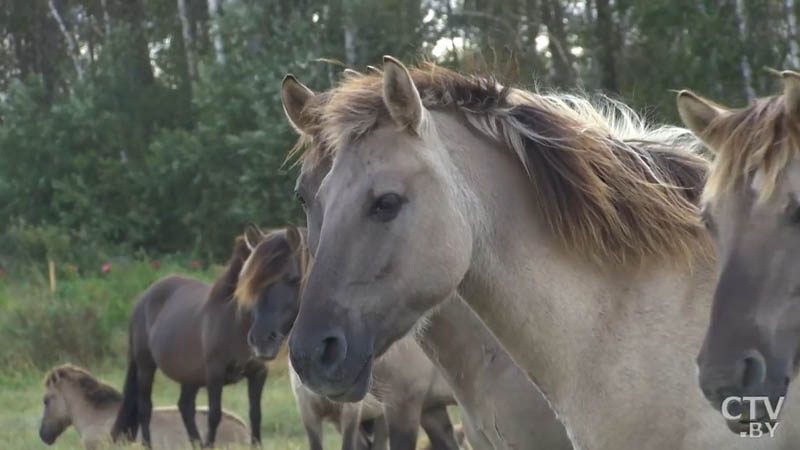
[[573, 232], [407, 388], [198, 336], [74, 397], [751, 206], [498, 403]]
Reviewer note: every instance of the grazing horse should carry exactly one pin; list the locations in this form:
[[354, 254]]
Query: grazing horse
[[572, 231], [74, 397], [498, 403], [751, 206], [407, 387], [199, 336]]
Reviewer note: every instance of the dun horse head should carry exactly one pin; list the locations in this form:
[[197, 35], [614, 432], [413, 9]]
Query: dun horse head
[[752, 209]]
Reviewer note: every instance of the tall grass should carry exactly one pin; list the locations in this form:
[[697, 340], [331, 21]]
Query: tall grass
[[84, 320]]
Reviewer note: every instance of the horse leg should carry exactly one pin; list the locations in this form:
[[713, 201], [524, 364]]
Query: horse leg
[[186, 404], [351, 426], [215, 379], [145, 373], [403, 421], [437, 425], [313, 426], [255, 385], [380, 434]]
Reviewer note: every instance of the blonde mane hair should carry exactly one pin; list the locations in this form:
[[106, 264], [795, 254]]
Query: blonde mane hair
[[96, 392], [609, 186], [761, 138], [267, 262]]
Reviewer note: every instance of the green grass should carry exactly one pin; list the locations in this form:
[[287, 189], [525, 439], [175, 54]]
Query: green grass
[[84, 322], [280, 425]]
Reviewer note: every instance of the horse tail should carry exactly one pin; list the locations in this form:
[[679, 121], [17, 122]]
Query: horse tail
[[127, 422]]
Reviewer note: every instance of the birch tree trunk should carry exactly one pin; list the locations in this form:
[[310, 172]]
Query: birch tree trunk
[[349, 33], [216, 37], [606, 40], [793, 58], [553, 18], [72, 47], [744, 61], [188, 42], [106, 19]]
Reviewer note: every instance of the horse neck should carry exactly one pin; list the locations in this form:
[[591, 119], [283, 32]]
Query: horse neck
[[587, 335], [85, 416]]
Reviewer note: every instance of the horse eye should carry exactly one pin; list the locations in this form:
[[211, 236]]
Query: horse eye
[[794, 214], [707, 220], [300, 199], [293, 280], [386, 207]]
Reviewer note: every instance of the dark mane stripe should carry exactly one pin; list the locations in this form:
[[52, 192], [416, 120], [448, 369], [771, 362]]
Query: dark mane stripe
[[96, 392], [610, 187]]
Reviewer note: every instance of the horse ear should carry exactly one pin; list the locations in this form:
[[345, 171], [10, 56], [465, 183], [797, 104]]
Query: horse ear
[[252, 236], [400, 95], [294, 237], [791, 92], [697, 113], [294, 96]]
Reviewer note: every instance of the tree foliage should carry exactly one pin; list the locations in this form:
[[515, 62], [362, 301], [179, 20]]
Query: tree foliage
[[165, 144]]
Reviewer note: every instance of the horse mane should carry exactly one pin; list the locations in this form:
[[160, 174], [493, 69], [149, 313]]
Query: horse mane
[[761, 137], [266, 264], [96, 392], [610, 187], [223, 288]]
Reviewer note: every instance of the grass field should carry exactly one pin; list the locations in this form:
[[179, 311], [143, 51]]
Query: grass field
[[281, 427], [84, 322]]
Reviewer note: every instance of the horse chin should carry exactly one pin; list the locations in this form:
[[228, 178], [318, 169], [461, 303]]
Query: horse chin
[[359, 388], [46, 437], [266, 354]]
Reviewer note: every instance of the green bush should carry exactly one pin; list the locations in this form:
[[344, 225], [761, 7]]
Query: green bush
[[84, 320]]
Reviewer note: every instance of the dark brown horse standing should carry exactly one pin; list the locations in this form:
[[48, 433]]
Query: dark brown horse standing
[[199, 336]]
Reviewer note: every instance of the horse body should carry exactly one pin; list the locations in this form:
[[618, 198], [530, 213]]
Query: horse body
[[68, 402], [407, 392], [576, 242], [200, 337]]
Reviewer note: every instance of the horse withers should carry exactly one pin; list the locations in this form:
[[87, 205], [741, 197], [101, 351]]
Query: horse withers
[[751, 206], [197, 335], [73, 397]]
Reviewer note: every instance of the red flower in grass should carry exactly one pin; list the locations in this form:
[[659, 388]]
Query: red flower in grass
[[2, 272], [105, 268], [72, 268], [195, 264], [155, 264]]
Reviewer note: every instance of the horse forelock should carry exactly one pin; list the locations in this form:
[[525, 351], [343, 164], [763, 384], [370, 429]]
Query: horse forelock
[[265, 265], [610, 186], [96, 392], [760, 138]]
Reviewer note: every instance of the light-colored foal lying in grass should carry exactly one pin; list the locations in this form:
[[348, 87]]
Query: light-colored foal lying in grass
[[74, 397]]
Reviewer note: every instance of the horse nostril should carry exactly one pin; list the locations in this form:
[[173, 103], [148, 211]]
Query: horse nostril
[[330, 352], [273, 336], [754, 370]]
